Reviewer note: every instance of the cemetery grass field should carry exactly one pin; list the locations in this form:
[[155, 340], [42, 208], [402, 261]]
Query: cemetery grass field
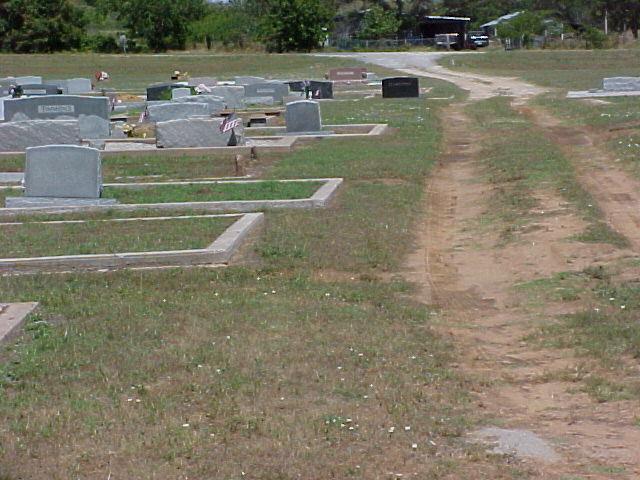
[[310, 360], [107, 236], [135, 72]]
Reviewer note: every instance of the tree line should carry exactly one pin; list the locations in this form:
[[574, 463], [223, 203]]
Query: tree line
[[278, 25]]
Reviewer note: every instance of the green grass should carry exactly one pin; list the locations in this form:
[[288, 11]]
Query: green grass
[[53, 239], [136, 72], [566, 70], [519, 161], [210, 373], [270, 190]]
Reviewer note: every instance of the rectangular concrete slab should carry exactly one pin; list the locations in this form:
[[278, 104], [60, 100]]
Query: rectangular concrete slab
[[12, 316]]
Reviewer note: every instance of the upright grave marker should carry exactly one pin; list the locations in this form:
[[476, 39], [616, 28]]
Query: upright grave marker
[[319, 90], [180, 93], [303, 116], [175, 111], [196, 132], [17, 136], [621, 84], [346, 74], [400, 87], [95, 110], [61, 175]]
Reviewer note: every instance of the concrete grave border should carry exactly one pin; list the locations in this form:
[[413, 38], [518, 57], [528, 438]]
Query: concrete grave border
[[353, 130], [217, 253], [319, 199], [13, 316], [602, 94]]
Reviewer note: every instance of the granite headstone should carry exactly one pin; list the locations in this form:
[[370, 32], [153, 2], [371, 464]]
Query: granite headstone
[[621, 84], [233, 95], [346, 74], [320, 90], [177, 110], [195, 132], [17, 136], [303, 116], [400, 87]]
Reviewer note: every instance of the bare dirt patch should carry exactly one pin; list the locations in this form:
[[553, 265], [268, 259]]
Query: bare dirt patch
[[467, 272]]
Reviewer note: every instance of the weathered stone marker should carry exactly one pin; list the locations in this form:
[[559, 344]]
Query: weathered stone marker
[[93, 112], [400, 87], [621, 84], [57, 175], [216, 104], [320, 90], [247, 80], [161, 91], [206, 81], [195, 132], [303, 116], [275, 90], [18, 136], [345, 74], [74, 86], [33, 89], [180, 93], [233, 95], [176, 111]]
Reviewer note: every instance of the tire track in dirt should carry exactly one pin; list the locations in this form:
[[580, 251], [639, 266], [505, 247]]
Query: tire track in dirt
[[616, 192], [464, 271]]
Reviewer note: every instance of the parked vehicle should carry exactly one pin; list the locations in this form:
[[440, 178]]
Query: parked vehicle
[[479, 38]]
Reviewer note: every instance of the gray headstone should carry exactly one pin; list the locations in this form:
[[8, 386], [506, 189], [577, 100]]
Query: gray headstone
[[32, 89], [20, 80], [63, 171], [303, 116], [2, 99], [180, 92], [78, 86], [194, 132], [259, 101], [54, 106], [177, 111], [621, 84], [17, 136], [233, 95], [247, 80], [276, 90], [206, 81], [216, 104]]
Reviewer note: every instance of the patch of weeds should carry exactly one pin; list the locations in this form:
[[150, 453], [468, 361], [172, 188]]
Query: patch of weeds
[[604, 390], [610, 469], [563, 286], [519, 160], [601, 232]]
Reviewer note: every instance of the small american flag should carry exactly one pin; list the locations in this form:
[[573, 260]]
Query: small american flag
[[229, 123], [143, 116]]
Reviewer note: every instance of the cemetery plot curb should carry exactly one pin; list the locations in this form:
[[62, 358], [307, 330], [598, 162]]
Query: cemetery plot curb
[[319, 199], [354, 130], [218, 253], [12, 315], [602, 94]]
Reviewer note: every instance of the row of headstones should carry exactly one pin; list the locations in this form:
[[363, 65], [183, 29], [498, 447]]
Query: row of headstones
[[34, 86]]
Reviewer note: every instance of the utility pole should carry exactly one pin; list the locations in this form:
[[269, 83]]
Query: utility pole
[[606, 21]]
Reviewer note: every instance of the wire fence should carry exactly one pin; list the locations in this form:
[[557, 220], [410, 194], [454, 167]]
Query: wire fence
[[352, 43]]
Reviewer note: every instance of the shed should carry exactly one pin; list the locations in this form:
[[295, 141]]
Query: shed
[[432, 25]]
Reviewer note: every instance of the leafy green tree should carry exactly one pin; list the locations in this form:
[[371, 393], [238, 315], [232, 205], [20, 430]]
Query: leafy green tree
[[378, 23], [231, 25], [294, 25], [163, 24], [28, 26], [524, 26]]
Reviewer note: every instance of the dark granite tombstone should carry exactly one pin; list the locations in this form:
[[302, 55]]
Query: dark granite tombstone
[[40, 89], [161, 91], [296, 85], [400, 87], [320, 90]]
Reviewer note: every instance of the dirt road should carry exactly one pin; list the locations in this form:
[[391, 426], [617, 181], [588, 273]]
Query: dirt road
[[544, 421]]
